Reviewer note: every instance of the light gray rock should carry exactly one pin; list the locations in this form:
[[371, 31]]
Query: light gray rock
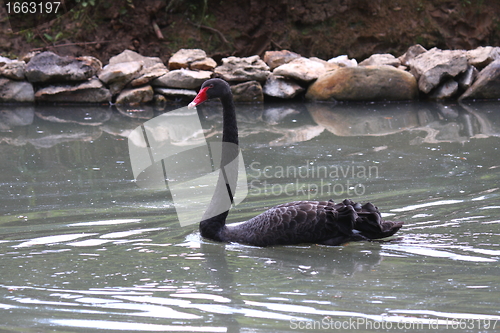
[[301, 69], [466, 79], [49, 67], [148, 74], [380, 60], [234, 69], [129, 55], [118, 75], [135, 96], [281, 87], [184, 57], [431, 67], [487, 84], [16, 91], [411, 53], [12, 69], [277, 58], [248, 92], [4, 60], [91, 91], [182, 78], [445, 91], [343, 61], [131, 68], [483, 56]]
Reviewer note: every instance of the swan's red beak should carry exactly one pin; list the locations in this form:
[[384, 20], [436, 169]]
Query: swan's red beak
[[200, 98]]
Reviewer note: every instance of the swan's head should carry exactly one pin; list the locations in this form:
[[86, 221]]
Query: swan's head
[[213, 88]]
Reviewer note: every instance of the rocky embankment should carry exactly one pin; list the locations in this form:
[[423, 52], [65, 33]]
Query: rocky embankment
[[131, 78]]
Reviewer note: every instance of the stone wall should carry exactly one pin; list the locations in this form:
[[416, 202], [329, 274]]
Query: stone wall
[[131, 78]]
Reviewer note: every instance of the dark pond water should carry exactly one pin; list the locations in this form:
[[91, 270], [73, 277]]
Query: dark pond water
[[83, 248]]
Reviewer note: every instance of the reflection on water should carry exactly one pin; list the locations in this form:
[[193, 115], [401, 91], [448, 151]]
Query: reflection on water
[[82, 248]]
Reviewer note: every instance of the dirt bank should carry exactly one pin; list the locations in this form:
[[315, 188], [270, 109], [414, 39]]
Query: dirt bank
[[319, 28]]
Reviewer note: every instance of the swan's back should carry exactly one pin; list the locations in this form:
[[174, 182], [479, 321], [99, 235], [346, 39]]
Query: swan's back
[[321, 222]]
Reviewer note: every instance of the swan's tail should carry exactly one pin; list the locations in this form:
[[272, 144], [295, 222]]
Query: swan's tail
[[369, 222]]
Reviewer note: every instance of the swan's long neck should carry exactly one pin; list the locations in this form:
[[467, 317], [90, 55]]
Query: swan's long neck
[[229, 125], [214, 219]]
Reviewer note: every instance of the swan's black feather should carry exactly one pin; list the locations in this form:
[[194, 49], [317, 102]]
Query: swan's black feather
[[322, 222]]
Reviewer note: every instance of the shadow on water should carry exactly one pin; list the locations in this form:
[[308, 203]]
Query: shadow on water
[[83, 248]]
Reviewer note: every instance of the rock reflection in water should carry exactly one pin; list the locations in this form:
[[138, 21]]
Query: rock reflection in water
[[441, 123], [285, 124]]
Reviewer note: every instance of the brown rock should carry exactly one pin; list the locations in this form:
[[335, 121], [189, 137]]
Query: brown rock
[[248, 92], [277, 58], [135, 96], [370, 83], [207, 64], [184, 57]]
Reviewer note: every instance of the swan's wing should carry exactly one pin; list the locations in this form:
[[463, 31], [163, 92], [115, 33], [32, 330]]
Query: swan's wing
[[299, 222]]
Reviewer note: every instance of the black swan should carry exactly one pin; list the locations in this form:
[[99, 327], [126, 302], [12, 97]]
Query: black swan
[[320, 222]]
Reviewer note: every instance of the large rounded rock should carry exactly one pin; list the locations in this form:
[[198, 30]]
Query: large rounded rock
[[49, 67], [370, 83], [487, 84]]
